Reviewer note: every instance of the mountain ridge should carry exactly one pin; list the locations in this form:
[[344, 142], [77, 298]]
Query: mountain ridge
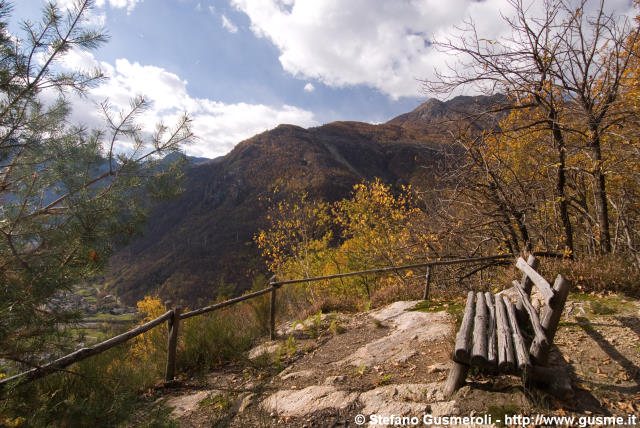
[[200, 245]]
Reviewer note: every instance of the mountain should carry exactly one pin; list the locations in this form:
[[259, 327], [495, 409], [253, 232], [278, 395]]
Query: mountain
[[435, 116], [202, 241]]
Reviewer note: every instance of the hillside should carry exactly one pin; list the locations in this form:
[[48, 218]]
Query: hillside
[[201, 242]]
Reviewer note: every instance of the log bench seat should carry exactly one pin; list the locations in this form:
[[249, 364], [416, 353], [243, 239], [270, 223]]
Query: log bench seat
[[498, 335]]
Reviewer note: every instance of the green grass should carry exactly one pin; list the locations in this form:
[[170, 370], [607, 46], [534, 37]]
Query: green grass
[[212, 339], [290, 346], [85, 291], [456, 309], [602, 308], [360, 370], [219, 402], [314, 328], [336, 328], [384, 379], [91, 335], [498, 413], [605, 305], [107, 317], [581, 297]]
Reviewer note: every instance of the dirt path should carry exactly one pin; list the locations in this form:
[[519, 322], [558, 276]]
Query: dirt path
[[330, 368]]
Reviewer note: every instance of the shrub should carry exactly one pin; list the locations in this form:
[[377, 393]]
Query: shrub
[[328, 304], [101, 388], [409, 290], [150, 348], [612, 273], [207, 341]]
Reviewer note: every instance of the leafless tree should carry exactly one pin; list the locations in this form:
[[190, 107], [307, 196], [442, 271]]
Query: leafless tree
[[569, 62]]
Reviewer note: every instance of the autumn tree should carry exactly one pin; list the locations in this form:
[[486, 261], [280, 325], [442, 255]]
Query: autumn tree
[[67, 194], [298, 237], [564, 68], [371, 228]]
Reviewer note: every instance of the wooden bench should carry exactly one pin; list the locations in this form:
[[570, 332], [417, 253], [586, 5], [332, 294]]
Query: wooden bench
[[498, 336]]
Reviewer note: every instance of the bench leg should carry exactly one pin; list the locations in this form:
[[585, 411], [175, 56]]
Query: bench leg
[[457, 376]]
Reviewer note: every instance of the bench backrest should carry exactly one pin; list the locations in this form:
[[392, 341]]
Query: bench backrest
[[545, 324]]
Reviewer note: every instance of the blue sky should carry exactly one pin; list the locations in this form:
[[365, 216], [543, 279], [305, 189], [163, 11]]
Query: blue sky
[[240, 67]]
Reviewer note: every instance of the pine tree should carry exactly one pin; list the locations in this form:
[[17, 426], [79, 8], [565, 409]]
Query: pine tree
[[67, 196]]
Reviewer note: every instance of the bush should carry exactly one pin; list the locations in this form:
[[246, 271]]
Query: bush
[[409, 290], [608, 273], [106, 387], [209, 340], [101, 388], [327, 304]]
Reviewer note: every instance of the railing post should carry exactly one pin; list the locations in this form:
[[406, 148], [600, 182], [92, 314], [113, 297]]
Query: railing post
[[272, 314], [172, 343], [427, 283]]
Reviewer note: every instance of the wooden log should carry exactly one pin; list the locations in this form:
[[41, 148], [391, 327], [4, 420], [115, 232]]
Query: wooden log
[[83, 353], [479, 346], [461, 349], [492, 352], [538, 280], [427, 283], [526, 286], [172, 344], [506, 359], [551, 316], [521, 351], [540, 343], [272, 314], [457, 375]]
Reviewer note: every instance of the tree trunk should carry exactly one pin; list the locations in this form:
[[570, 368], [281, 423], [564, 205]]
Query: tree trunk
[[600, 195], [561, 180]]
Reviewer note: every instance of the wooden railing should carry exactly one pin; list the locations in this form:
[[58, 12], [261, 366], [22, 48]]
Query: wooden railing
[[174, 316]]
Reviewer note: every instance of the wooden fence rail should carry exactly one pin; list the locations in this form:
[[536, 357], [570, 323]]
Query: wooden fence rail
[[83, 353], [174, 316], [396, 268]]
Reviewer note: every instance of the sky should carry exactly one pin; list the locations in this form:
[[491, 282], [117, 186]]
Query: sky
[[241, 67]]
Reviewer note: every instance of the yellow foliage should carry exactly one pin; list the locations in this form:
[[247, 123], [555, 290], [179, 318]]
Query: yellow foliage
[[148, 345], [16, 422], [374, 225]]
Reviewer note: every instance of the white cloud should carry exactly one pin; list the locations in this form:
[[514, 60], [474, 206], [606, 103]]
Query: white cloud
[[218, 125], [212, 10], [380, 43], [228, 25], [309, 87], [120, 4], [116, 4]]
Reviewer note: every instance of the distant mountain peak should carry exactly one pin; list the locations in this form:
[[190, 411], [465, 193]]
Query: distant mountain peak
[[434, 111]]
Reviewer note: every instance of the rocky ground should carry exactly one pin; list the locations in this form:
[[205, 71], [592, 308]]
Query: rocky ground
[[328, 369]]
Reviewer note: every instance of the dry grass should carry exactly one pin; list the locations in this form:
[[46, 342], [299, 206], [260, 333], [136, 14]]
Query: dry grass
[[609, 273]]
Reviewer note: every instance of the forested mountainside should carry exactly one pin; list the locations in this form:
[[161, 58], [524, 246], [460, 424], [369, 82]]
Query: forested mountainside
[[201, 244]]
